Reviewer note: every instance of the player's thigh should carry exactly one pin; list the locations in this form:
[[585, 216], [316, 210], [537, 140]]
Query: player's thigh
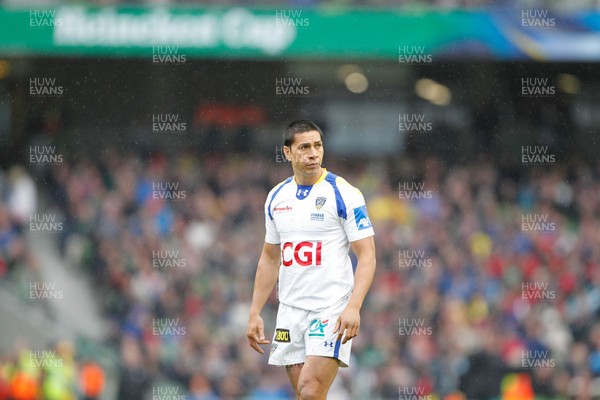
[[293, 372], [319, 368]]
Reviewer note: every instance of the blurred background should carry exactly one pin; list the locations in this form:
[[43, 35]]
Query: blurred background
[[139, 139]]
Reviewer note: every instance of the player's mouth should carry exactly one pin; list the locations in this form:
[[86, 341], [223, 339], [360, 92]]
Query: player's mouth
[[312, 165]]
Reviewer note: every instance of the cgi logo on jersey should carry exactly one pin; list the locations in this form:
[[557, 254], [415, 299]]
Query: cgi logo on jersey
[[304, 254]]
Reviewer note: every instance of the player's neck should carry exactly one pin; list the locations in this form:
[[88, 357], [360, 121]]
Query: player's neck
[[308, 180]]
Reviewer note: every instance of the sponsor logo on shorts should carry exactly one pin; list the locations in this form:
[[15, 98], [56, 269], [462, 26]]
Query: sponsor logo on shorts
[[282, 335], [273, 348], [317, 328]]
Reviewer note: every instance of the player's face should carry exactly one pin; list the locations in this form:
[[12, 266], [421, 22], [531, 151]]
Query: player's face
[[306, 154]]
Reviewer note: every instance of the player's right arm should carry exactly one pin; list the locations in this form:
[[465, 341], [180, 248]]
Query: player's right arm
[[264, 282]]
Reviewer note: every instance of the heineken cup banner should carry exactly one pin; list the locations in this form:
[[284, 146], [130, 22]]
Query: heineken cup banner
[[283, 33]]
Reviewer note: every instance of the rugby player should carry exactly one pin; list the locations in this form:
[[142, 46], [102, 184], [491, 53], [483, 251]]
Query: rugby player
[[312, 219]]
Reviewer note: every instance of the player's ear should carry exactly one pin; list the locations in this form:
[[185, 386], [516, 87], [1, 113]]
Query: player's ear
[[287, 153]]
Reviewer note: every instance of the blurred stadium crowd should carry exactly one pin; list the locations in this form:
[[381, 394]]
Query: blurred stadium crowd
[[466, 223]]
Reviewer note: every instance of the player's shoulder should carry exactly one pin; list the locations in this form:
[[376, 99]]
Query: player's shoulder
[[279, 186], [343, 185]]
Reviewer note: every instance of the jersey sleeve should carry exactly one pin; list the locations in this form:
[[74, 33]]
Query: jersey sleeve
[[271, 233], [357, 223]]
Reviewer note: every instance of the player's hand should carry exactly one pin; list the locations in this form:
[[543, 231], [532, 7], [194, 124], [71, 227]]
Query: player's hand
[[256, 333], [348, 322]]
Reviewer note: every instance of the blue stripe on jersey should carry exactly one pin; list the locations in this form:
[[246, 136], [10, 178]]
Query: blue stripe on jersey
[[336, 350], [288, 180], [341, 206]]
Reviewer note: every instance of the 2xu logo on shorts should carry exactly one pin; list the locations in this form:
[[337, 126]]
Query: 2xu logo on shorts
[[282, 335], [304, 254]]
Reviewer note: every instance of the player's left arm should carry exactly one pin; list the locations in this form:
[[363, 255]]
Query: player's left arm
[[349, 320]]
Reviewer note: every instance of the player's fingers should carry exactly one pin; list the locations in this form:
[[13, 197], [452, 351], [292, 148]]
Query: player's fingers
[[257, 335], [253, 335], [348, 336], [257, 347], [258, 338], [337, 325], [351, 333], [252, 338], [342, 330], [253, 328]]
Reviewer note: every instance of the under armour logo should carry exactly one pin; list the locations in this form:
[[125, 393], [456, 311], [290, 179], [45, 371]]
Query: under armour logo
[[302, 193], [330, 344]]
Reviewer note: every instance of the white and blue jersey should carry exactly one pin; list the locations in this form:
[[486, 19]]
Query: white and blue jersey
[[314, 226]]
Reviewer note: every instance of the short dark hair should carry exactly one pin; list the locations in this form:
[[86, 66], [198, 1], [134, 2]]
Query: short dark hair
[[299, 126]]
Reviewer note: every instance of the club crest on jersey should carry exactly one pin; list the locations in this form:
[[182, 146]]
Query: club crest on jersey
[[320, 202]]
